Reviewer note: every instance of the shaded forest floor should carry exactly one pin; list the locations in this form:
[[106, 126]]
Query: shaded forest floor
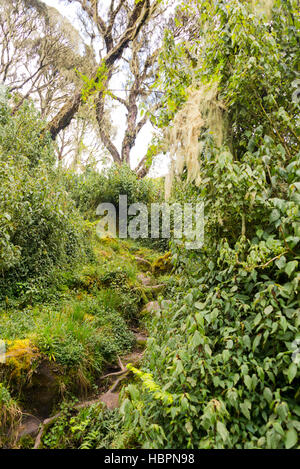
[[70, 351]]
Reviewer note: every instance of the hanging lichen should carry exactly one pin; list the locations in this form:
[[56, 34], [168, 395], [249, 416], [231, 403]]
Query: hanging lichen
[[202, 111]]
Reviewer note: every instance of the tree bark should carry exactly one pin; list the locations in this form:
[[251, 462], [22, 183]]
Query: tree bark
[[137, 19], [65, 115], [130, 135], [103, 134]]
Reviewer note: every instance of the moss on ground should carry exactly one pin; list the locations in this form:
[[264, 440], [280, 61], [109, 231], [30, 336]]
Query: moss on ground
[[77, 326]]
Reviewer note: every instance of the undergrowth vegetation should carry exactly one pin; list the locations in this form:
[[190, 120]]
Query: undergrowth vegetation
[[84, 326], [40, 228], [93, 428], [220, 368], [68, 299], [10, 415], [91, 188]]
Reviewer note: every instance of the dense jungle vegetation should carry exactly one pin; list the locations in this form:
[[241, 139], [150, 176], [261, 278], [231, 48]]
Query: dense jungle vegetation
[[143, 343]]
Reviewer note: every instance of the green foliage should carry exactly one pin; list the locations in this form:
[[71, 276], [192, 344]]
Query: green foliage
[[84, 333], [112, 280], [95, 427], [10, 416], [79, 322], [22, 136], [39, 224], [175, 78], [91, 188], [95, 85], [223, 350]]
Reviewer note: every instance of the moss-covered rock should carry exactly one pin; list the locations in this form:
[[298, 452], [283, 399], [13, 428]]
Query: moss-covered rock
[[162, 264]]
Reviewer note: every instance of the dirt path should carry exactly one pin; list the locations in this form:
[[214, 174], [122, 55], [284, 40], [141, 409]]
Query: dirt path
[[34, 426]]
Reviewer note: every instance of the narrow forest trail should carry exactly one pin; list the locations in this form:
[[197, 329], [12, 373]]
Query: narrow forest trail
[[34, 426], [116, 375], [110, 398]]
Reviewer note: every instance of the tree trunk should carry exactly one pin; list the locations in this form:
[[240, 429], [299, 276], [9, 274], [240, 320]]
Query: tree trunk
[[130, 135], [104, 137], [65, 115], [137, 19]]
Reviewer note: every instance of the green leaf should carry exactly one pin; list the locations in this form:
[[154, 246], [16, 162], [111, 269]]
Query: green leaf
[[133, 391], [229, 344], [278, 428], [290, 267], [282, 410], [281, 262], [225, 355], [275, 215], [245, 408], [256, 342], [189, 427], [197, 339], [189, 299], [268, 310], [268, 395], [257, 319], [222, 430], [291, 438], [248, 382], [199, 318], [247, 341], [283, 323], [292, 371], [126, 407]]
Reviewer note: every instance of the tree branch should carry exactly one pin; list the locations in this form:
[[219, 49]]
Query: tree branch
[[136, 20]]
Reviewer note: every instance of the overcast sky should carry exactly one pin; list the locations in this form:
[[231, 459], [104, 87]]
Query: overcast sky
[[118, 115]]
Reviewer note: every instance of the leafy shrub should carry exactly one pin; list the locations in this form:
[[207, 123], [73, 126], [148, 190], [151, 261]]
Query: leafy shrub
[[22, 136], [220, 369], [64, 349], [95, 427], [39, 224], [86, 333], [91, 188]]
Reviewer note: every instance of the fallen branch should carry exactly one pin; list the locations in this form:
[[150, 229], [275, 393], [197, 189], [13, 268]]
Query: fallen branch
[[47, 422], [142, 261], [154, 287], [117, 373]]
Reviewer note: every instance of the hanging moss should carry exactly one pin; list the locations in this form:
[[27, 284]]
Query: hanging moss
[[202, 111]]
